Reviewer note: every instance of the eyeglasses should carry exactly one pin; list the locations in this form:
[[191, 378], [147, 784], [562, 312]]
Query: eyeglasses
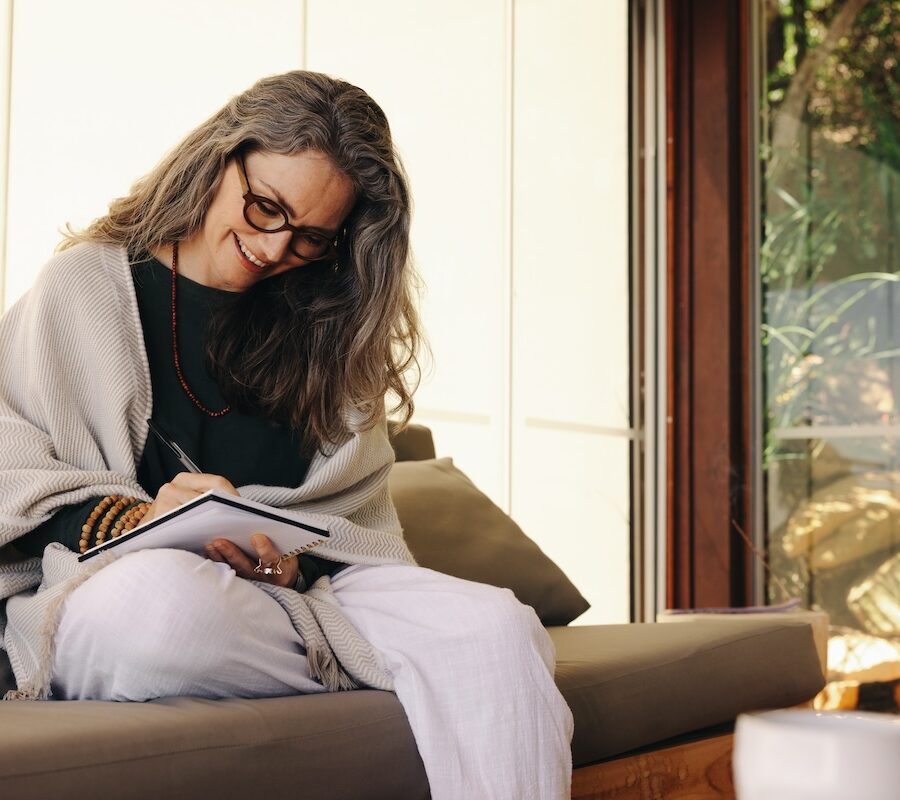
[[267, 216]]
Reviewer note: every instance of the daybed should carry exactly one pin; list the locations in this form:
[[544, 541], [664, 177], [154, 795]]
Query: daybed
[[653, 704]]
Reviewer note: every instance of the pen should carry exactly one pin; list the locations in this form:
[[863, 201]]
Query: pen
[[170, 443]]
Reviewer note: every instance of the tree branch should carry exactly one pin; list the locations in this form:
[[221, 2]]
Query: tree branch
[[790, 115]]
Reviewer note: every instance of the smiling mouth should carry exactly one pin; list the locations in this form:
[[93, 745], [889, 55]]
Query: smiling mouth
[[249, 261]]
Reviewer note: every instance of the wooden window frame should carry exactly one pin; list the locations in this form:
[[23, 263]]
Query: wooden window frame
[[710, 318]]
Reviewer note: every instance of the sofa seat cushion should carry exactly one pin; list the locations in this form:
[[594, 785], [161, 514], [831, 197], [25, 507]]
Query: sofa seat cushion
[[630, 686], [347, 745]]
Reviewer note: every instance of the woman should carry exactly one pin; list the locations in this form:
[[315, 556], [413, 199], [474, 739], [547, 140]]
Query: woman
[[251, 298]]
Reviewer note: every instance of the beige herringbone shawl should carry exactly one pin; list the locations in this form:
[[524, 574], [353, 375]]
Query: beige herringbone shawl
[[75, 395]]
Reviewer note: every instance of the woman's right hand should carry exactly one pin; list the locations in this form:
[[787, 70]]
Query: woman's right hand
[[183, 487]]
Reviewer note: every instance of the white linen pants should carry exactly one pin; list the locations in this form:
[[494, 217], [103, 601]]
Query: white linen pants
[[472, 667]]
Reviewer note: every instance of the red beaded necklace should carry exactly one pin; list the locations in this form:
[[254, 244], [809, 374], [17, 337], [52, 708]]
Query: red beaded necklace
[[181, 379]]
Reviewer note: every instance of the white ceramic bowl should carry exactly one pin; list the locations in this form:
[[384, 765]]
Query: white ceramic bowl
[[815, 755]]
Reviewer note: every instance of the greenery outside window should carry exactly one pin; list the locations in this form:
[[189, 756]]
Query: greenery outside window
[[829, 260]]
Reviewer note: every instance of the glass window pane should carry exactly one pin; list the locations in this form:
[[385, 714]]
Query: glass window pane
[[830, 268]]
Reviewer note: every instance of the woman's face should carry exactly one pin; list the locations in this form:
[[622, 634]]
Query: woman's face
[[314, 193]]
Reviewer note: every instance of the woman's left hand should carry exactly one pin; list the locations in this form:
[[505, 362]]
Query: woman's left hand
[[228, 552]]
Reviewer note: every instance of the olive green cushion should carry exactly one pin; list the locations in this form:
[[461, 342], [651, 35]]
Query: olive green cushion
[[452, 527], [341, 746], [630, 686], [413, 443]]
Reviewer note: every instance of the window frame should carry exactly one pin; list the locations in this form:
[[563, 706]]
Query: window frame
[[711, 298]]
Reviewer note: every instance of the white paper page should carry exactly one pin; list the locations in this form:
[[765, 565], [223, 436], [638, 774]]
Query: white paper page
[[194, 527]]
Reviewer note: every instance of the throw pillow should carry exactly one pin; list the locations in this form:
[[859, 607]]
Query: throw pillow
[[454, 528]]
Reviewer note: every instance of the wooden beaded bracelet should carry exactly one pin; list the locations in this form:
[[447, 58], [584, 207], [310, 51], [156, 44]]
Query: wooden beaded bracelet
[[138, 515], [88, 527], [112, 507], [129, 519], [111, 515]]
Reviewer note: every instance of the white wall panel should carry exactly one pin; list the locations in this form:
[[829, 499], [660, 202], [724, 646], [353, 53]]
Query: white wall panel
[[571, 417], [439, 72], [101, 89], [571, 495], [570, 243]]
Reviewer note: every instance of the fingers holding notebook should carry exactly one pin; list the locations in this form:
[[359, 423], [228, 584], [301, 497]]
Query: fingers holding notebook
[[268, 566]]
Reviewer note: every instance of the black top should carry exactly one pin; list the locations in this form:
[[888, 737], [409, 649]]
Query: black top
[[240, 447]]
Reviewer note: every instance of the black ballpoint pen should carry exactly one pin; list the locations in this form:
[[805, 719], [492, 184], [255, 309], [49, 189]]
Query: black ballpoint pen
[[171, 444]]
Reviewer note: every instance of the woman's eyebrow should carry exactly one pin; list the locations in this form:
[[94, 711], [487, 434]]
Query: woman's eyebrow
[[284, 204], [277, 195]]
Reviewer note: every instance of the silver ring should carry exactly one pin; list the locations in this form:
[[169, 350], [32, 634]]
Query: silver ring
[[268, 570]]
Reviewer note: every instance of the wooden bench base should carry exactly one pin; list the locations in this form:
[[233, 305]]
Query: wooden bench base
[[692, 771]]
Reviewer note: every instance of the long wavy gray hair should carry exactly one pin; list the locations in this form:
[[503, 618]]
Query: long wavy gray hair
[[300, 346]]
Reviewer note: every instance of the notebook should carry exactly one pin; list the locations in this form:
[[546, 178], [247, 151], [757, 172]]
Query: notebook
[[217, 515]]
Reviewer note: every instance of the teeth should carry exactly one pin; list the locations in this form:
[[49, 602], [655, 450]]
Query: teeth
[[250, 257]]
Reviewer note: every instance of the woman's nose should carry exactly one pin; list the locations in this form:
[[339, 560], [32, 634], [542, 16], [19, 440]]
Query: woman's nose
[[275, 246]]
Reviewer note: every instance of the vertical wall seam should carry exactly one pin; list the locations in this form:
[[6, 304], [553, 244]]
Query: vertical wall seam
[[6, 90], [640, 423], [304, 38], [509, 132]]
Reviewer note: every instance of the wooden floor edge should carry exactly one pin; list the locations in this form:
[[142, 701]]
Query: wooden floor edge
[[695, 769]]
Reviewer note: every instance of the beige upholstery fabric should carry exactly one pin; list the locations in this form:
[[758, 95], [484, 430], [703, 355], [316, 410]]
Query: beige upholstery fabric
[[628, 686], [341, 746], [632, 685], [414, 443], [452, 527]]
